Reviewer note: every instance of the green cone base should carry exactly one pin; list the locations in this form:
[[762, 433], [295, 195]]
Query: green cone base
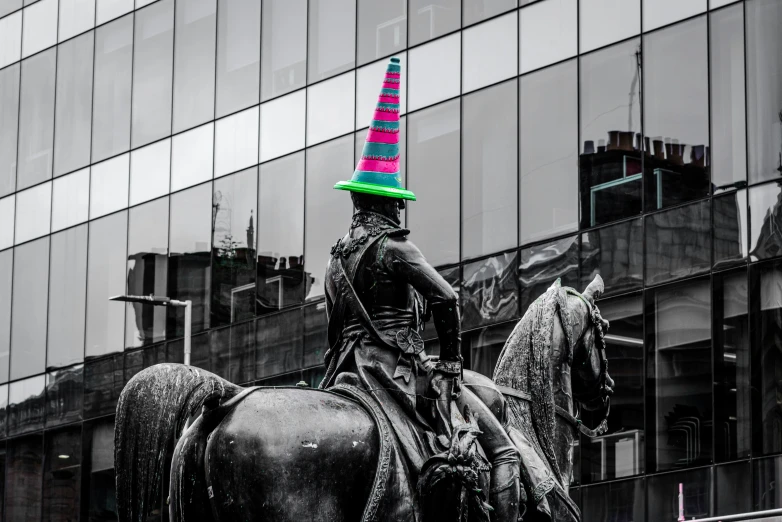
[[375, 189]]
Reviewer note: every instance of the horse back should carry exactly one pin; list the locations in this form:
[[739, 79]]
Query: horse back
[[286, 454]]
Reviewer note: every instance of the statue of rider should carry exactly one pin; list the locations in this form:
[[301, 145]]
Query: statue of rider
[[379, 291]]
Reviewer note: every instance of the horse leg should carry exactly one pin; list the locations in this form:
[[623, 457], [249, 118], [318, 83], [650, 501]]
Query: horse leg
[[188, 494]]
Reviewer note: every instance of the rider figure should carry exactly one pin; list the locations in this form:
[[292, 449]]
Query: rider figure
[[379, 288]]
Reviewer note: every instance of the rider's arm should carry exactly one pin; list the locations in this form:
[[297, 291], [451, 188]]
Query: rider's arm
[[406, 261]]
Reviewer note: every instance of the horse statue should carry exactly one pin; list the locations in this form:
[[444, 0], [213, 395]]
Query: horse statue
[[296, 453]]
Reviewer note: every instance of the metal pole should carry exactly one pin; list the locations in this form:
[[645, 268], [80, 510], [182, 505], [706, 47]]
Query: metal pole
[[188, 321], [754, 515]]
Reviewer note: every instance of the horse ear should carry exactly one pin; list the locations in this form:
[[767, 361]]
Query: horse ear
[[595, 289]]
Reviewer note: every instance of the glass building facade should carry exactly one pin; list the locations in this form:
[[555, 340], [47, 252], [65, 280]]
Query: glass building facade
[[189, 147]]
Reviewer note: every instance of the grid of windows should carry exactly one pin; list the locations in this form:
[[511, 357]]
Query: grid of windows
[[188, 148]]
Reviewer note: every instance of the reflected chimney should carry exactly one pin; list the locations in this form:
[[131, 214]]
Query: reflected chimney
[[678, 152], [698, 155], [283, 263], [668, 148], [589, 147], [293, 261], [613, 140], [626, 141], [659, 153], [601, 145], [647, 147]]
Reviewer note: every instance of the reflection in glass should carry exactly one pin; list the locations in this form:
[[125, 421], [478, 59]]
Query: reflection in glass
[[548, 116], [7, 212], [315, 335], [661, 12], [620, 452], [332, 38], [109, 186], [233, 252], [490, 291], [477, 10], [616, 253], [3, 427], [765, 212], [452, 276], [279, 338], [67, 297], [368, 81], [192, 225], [490, 156], [766, 474], [433, 175], [99, 470], [106, 275], [192, 154], [10, 39], [152, 72], [435, 70], [678, 329], [28, 316], [330, 106], [482, 347], [8, 6], [663, 494], [150, 169], [488, 56], [676, 114], [70, 199], [6, 281], [238, 342], [111, 95], [26, 405], [110, 9], [36, 119], [548, 33], [33, 213], [238, 54], [678, 243], [236, 142], [103, 382], [623, 500], [147, 267], [610, 161], [602, 22], [382, 28], [64, 389], [282, 125], [9, 119], [76, 16], [39, 27], [284, 47], [732, 489], [23, 476], [327, 211], [62, 474], [729, 217], [728, 116], [541, 265], [764, 89], [281, 277], [432, 18], [73, 117], [194, 62], [207, 353]]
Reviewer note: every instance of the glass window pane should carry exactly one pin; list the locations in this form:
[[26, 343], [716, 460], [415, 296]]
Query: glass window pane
[[99, 444], [36, 119], [382, 28], [236, 142], [433, 175], [238, 54], [477, 10], [62, 474], [432, 18], [26, 406], [332, 39], [103, 382], [192, 156], [74, 104], [330, 108], [147, 272], [766, 474], [327, 210], [541, 265], [728, 118], [623, 500], [284, 47], [548, 33], [663, 495], [732, 489], [40, 27], [729, 217], [7, 6], [549, 152], [67, 297], [190, 255], [282, 125], [281, 276], [661, 12], [106, 275], [7, 213], [28, 316], [110, 9], [488, 57], [9, 119], [435, 69], [33, 213], [150, 169], [368, 84], [152, 73], [678, 243], [23, 476], [677, 115], [678, 329], [64, 391], [606, 21], [482, 347], [489, 180], [764, 89], [70, 199], [240, 341], [280, 341], [109, 186], [111, 99], [611, 174], [234, 208], [714, 4], [194, 63], [3, 426], [490, 293], [620, 452], [616, 253], [10, 39], [76, 16], [764, 219], [6, 281]]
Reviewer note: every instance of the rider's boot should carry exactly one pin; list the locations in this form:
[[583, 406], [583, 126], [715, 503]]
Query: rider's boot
[[504, 495]]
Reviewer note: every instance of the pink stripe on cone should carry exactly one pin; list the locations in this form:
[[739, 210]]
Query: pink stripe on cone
[[386, 116], [387, 99], [387, 167], [382, 137]]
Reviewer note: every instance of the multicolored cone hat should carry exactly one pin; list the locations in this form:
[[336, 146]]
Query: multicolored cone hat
[[377, 171]]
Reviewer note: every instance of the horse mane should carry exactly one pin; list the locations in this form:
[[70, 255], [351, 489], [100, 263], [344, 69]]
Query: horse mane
[[525, 364]]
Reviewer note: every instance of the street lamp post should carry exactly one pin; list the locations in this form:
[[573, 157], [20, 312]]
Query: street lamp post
[[164, 301]]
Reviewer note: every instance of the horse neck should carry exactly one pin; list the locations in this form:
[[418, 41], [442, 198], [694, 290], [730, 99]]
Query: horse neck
[[563, 397]]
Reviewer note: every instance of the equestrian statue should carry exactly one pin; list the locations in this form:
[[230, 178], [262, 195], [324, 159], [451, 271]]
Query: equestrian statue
[[392, 433]]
